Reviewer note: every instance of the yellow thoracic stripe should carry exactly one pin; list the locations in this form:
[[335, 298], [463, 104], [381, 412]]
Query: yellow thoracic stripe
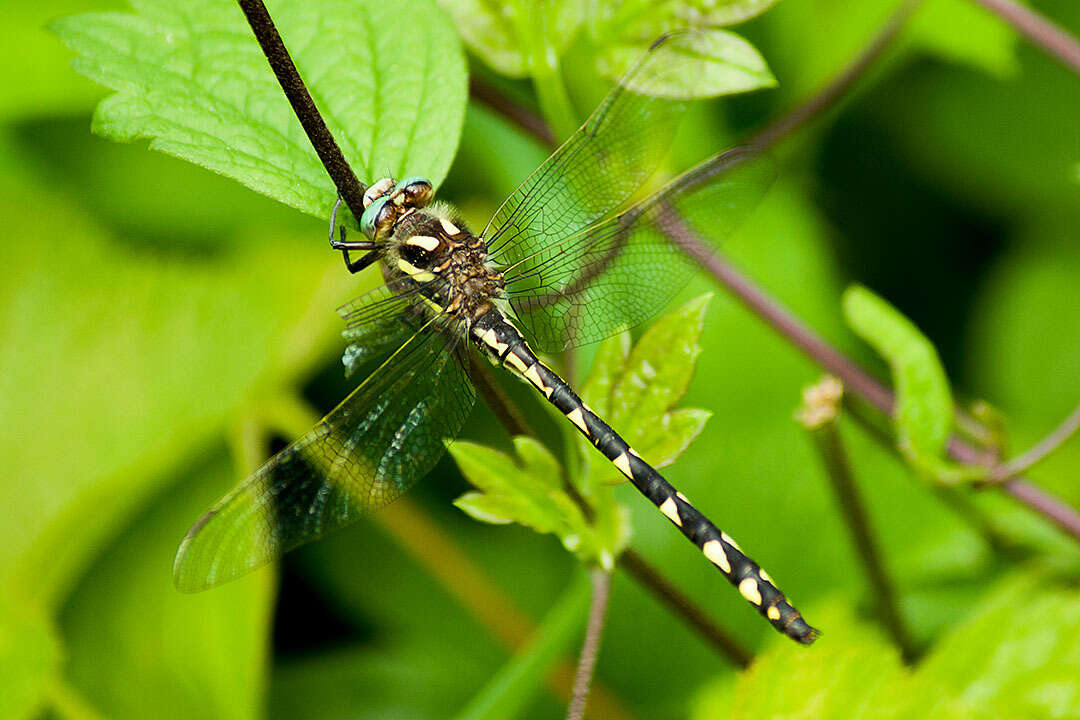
[[414, 272]]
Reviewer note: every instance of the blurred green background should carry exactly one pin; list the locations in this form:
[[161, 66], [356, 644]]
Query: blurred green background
[[153, 316]]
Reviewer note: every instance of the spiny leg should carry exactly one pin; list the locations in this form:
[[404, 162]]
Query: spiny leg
[[353, 266], [752, 582]]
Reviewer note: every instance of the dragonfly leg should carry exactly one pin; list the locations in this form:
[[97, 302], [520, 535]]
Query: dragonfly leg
[[353, 266]]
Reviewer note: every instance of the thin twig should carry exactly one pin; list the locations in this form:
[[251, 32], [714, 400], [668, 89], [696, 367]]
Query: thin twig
[[303, 106], [684, 608], [790, 327], [1039, 30], [819, 415], [1044, 504], [523, 117], [861, 382], [590, 648], [841, 85], [440, 555], [1040, 450], [950, 496]]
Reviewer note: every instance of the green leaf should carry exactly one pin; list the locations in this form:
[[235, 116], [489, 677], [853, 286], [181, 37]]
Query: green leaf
[[842, 678], [986, 43], [924, 411], [29, 657], [1026, 349], [710, 63], [191, 77], [117, 363], [648, 19], [28, 52], [851, 673], [637, 389], [510, 690], [528, 491], [152, 201], [1017, 653], [712, 13], [510, 35], [194, 656], [954, 30], [1014, 657]]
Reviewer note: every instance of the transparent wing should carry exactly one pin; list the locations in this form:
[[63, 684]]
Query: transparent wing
[[378, 322], [364, 454], [601, 165], [618, 272]]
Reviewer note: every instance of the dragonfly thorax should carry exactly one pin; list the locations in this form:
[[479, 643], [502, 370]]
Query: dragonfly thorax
[[432, 252]]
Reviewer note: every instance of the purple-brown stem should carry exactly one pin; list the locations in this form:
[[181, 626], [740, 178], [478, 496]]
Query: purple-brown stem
[[802, 336], [590, 648], [1039, 30]]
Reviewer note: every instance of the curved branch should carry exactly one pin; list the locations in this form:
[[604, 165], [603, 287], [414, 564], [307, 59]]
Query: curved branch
[[1040, 450], [799, 333], [590, 648], [1039, 30], [684, 608], [841, 85]]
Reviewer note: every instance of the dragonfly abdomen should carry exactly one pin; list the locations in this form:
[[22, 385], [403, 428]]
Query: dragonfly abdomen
[[503, 342]]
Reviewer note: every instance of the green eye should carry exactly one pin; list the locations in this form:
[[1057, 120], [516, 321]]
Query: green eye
[[376, 218]]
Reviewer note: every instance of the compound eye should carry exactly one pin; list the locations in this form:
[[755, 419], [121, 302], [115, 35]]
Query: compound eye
[[382, 187], [415, 192], [378, 219]]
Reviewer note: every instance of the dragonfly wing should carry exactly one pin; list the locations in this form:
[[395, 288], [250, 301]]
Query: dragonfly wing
[[618, 272], [602, 164], [364, 454], [378, 322]]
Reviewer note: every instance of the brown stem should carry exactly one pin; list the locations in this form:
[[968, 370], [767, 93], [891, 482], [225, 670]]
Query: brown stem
[[788, 325], [1039, 30], [520, 115], [839, 86], [1044, 447], [590, 648], [861, 382], [960, 504], [819, 415], [318, 134], [684, 608]]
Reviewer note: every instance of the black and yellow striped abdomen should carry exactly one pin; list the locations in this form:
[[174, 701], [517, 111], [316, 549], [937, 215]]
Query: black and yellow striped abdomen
[[498, 337]]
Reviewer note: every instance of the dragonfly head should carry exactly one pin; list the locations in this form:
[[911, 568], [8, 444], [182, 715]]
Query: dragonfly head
[[387, 201]]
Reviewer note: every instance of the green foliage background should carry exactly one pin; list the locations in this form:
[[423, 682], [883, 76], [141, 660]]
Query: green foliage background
[[155, 317]]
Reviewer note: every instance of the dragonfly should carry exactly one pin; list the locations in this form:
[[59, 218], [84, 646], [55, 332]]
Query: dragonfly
[[562, 263]]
